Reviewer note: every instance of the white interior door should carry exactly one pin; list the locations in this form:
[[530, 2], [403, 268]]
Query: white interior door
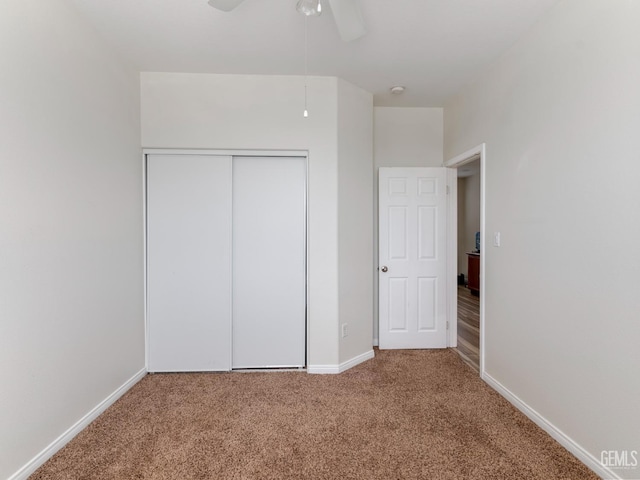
[[269, 265], [189, 262], [412, 256]]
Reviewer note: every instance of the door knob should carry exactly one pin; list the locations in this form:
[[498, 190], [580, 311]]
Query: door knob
[[384, 269]]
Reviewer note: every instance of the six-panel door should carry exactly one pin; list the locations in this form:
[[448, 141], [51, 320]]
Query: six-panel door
[[412, 242]]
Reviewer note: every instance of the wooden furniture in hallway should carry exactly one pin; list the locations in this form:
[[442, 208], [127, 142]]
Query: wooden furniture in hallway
[[474, 272]]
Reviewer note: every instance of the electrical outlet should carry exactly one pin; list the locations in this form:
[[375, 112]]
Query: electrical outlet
[[345, 330]]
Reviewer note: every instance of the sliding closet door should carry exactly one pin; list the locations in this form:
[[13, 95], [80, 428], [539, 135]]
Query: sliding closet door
[[269, 238], [189, 262]]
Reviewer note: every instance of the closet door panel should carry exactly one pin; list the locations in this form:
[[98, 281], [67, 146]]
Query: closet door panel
[[269, 265], [189, 262]]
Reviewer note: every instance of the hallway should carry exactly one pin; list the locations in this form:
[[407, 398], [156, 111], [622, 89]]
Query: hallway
[[469, 327]]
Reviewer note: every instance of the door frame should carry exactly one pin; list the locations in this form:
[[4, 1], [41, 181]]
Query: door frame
[[232, 153], [476, 153]]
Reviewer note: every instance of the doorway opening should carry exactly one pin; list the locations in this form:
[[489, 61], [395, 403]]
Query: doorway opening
[[469, 254], [467, 257]]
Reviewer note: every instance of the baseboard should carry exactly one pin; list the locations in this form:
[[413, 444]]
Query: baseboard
[[67, 436], [363, 357], [557, 434], [323, 369], [344, 366]]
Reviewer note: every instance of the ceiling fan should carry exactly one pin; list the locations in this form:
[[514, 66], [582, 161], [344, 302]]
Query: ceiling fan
[[346, 14]]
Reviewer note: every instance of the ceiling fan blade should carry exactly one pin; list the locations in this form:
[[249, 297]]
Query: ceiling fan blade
[[348, 19], [225, 5]]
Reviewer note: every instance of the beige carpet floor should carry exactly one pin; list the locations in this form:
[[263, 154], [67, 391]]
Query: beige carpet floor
[[403, 415]]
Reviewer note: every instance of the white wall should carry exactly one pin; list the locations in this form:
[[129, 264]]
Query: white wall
[[71, 325], [408, 137], [402, 137], [264, 112], [355, 218], [560, 115]]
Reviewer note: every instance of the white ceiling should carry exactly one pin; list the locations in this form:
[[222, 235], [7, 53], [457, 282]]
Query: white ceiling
[[433, 47]]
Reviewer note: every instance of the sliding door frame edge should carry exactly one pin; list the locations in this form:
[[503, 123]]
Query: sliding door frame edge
[[226, 152], [306, 260], [145, 305]]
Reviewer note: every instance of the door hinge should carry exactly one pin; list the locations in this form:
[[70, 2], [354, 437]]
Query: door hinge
[[447, 189], [447, 324]]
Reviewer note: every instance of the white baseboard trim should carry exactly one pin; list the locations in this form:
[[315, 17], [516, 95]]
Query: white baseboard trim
[[557, 434], [363, 357], [37, 461], [344, 366], [323, 369]]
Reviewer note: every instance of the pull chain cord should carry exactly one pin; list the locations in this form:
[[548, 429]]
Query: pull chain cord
[[305, 114]]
